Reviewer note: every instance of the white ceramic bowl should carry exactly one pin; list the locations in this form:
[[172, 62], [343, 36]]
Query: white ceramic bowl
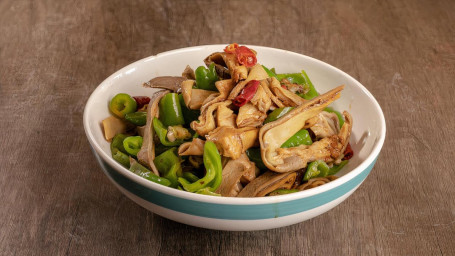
[[239, 213]]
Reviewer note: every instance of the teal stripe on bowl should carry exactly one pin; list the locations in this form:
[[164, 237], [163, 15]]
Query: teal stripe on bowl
[[233, 212]]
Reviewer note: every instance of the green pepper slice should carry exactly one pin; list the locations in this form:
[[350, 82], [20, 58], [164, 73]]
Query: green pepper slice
[[173, 174], [336, 168], [206, 77], [206, 191], [296, 78], [166, 160], [168, 164], [316, 169], [212, 160], [339, 115], [137, 118], [190, 176], [254, 154], [320, 169], [142, 171], [132, 145], [299, 138], [212, 178], [118, 152], [121, 157], [293, 78], [277, 114], [170, 110], [122, 104], [312, 93], [189, 115], [282, 192], [117, 142], [270, 72], [161, 131]]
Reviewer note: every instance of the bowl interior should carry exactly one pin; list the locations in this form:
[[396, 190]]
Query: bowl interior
[[369, 125]]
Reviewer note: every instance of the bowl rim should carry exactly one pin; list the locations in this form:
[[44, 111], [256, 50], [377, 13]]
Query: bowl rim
[[231, 200]]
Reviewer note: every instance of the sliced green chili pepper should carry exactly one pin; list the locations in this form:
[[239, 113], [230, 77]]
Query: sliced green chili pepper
[[269, 72], [173, 175], [302, 79], [142, 171], [189, 115], [340, 117], [316, 169], [166, 160], [206, 191], [121, 157], [299, 138], [254, 154], [122, 104], [282, 192], [336, 168], [312, 93], [320, 169], [168, 164], [277, 113], [213, 167], [293, 78], [170, 110], [206, 77], [213, 161], [195, 134], [118, 151], [132, 145], [190, 176], [296, 78], [117, 142], [137, 118], [161, 131]]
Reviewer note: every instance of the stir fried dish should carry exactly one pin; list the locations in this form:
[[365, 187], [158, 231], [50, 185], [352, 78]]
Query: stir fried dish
[[231, 128]]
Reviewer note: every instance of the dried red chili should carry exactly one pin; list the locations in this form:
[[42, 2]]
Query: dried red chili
[[245, 56], [141, 101], [246, 94], [231, 48], [348, 153]]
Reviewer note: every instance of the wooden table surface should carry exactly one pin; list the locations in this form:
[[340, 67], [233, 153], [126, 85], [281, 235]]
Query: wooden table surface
[[55, 200]]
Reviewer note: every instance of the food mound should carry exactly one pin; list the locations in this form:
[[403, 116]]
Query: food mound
[[233, 128]]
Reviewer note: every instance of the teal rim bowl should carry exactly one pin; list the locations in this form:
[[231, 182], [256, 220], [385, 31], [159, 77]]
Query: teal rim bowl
[[239, 214]]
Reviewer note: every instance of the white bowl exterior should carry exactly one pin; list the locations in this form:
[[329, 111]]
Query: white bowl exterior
[[234, 225], [367, 136]]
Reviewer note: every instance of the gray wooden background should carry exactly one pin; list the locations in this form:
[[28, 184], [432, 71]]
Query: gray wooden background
[[55, 200]]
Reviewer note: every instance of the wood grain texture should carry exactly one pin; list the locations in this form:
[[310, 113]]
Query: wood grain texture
[[54, 200]]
